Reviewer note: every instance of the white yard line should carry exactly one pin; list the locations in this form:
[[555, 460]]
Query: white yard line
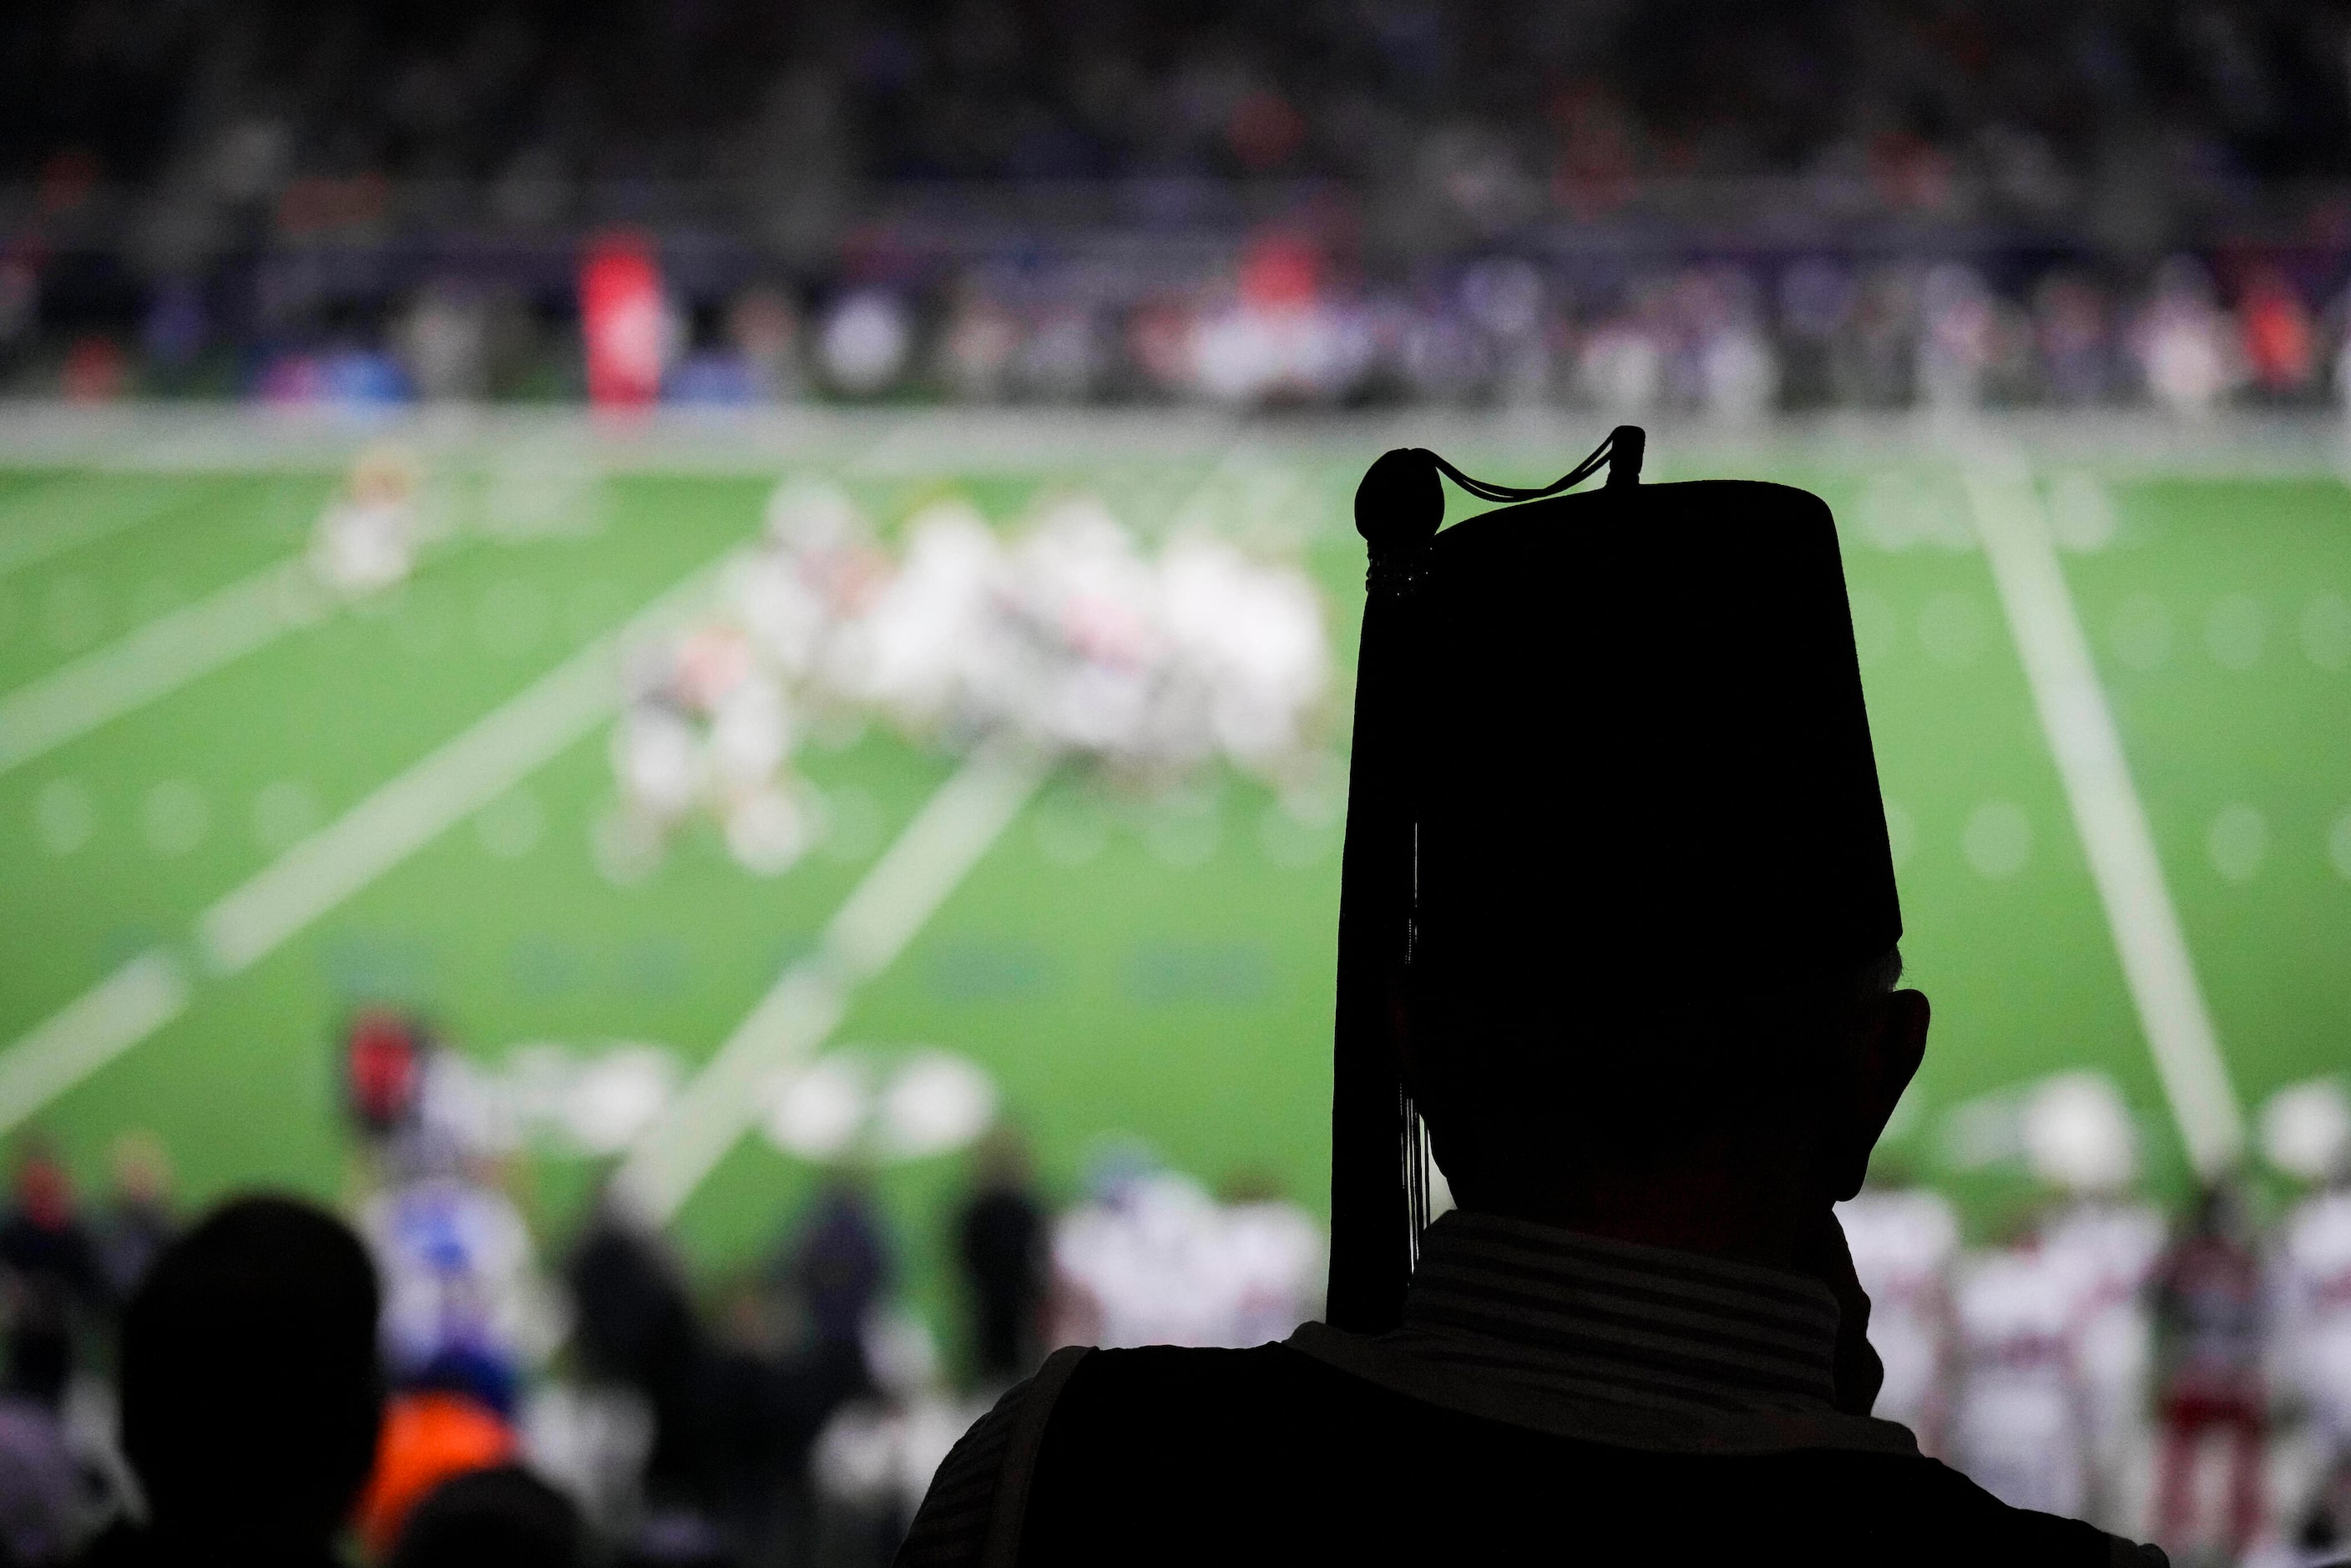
[[78, 1040], [2107, 814], [154, 660], [925, 863]]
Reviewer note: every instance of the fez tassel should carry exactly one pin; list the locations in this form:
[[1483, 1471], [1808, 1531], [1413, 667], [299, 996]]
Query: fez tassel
[[1379, 1198]]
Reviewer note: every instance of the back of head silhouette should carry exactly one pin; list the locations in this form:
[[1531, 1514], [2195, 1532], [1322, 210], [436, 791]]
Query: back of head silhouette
[[499, 1518], [251, 1393], [1614, 836]]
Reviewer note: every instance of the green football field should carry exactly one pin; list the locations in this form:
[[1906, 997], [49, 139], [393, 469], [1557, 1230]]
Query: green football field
[[1121, 965]]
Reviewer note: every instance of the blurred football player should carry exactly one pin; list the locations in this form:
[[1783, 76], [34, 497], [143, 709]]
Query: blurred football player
[[817, 568], [1904, 1239], [384, 1069], [1137, 1265], [1083, 609], [2018, 1427], [930, 631], [2307, 1134], [1250, 637], [463, 1309], [1271, 1253], [2080, 1143], [707, 724], [367, 538]]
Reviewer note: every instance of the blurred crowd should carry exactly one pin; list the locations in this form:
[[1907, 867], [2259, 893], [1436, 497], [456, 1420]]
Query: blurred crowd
[[2185, 1377], [1275, 321], [1693, 206], [593, 1396], [1564, 103]]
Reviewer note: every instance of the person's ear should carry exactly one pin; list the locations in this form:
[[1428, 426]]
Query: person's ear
[[1888, 1045]]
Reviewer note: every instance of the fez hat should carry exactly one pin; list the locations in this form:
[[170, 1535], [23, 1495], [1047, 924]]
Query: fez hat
[[1594, 733]]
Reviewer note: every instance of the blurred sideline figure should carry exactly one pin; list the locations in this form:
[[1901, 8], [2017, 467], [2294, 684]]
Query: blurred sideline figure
[[1904, 1239], [2308, 1134], [1653, 1033], [464, 1319], [2079, 1141], [2210, 1316], [251, 1391], [138, 1222], [52, 1275], [1001, 1245], [1153, 1259], [463, 1312]]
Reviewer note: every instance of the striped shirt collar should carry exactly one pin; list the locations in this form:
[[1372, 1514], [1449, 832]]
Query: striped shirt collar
[[1562, 1315]]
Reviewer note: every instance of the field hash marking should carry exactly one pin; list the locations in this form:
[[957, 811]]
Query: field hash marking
[[78, 1040], [2107, 814], [153, 661], [929, 860]]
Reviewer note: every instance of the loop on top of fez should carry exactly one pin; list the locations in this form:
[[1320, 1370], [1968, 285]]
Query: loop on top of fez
[[1401, 501]]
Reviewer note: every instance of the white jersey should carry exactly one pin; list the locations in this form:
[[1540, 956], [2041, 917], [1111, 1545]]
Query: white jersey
[[2109, 1250], [1163, 1264], [932, 630], [456, 1265], [1146, 1264], [1273, 1255], [1902, 1241], [2018, 1426], [2313, 1270], [364, 545], [1251, 637]]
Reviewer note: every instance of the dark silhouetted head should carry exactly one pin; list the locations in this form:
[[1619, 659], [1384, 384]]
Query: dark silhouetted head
[[1624, 788], [251, 1392], [501, 1518]]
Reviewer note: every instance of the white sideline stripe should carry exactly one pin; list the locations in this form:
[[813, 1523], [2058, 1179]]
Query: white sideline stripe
[[152, 662], [86, 1034], [925, 863], [29, 544], [2107, 814], [498, 751]]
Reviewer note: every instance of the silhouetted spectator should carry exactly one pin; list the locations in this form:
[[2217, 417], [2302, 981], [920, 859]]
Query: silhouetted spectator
[[138, 1222], [251, 1393], [634, 1325], [842, 1262], [1648, 1018], [43, 1502], [52, 1276], [1000, 1242], [500, 1518]]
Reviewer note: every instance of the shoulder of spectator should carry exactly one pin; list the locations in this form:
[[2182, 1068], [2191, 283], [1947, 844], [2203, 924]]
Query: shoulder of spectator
[[981, 1489]]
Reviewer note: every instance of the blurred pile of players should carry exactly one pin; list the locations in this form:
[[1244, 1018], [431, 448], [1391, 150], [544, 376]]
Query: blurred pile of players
[[1069, 640], [2187, 1376]]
